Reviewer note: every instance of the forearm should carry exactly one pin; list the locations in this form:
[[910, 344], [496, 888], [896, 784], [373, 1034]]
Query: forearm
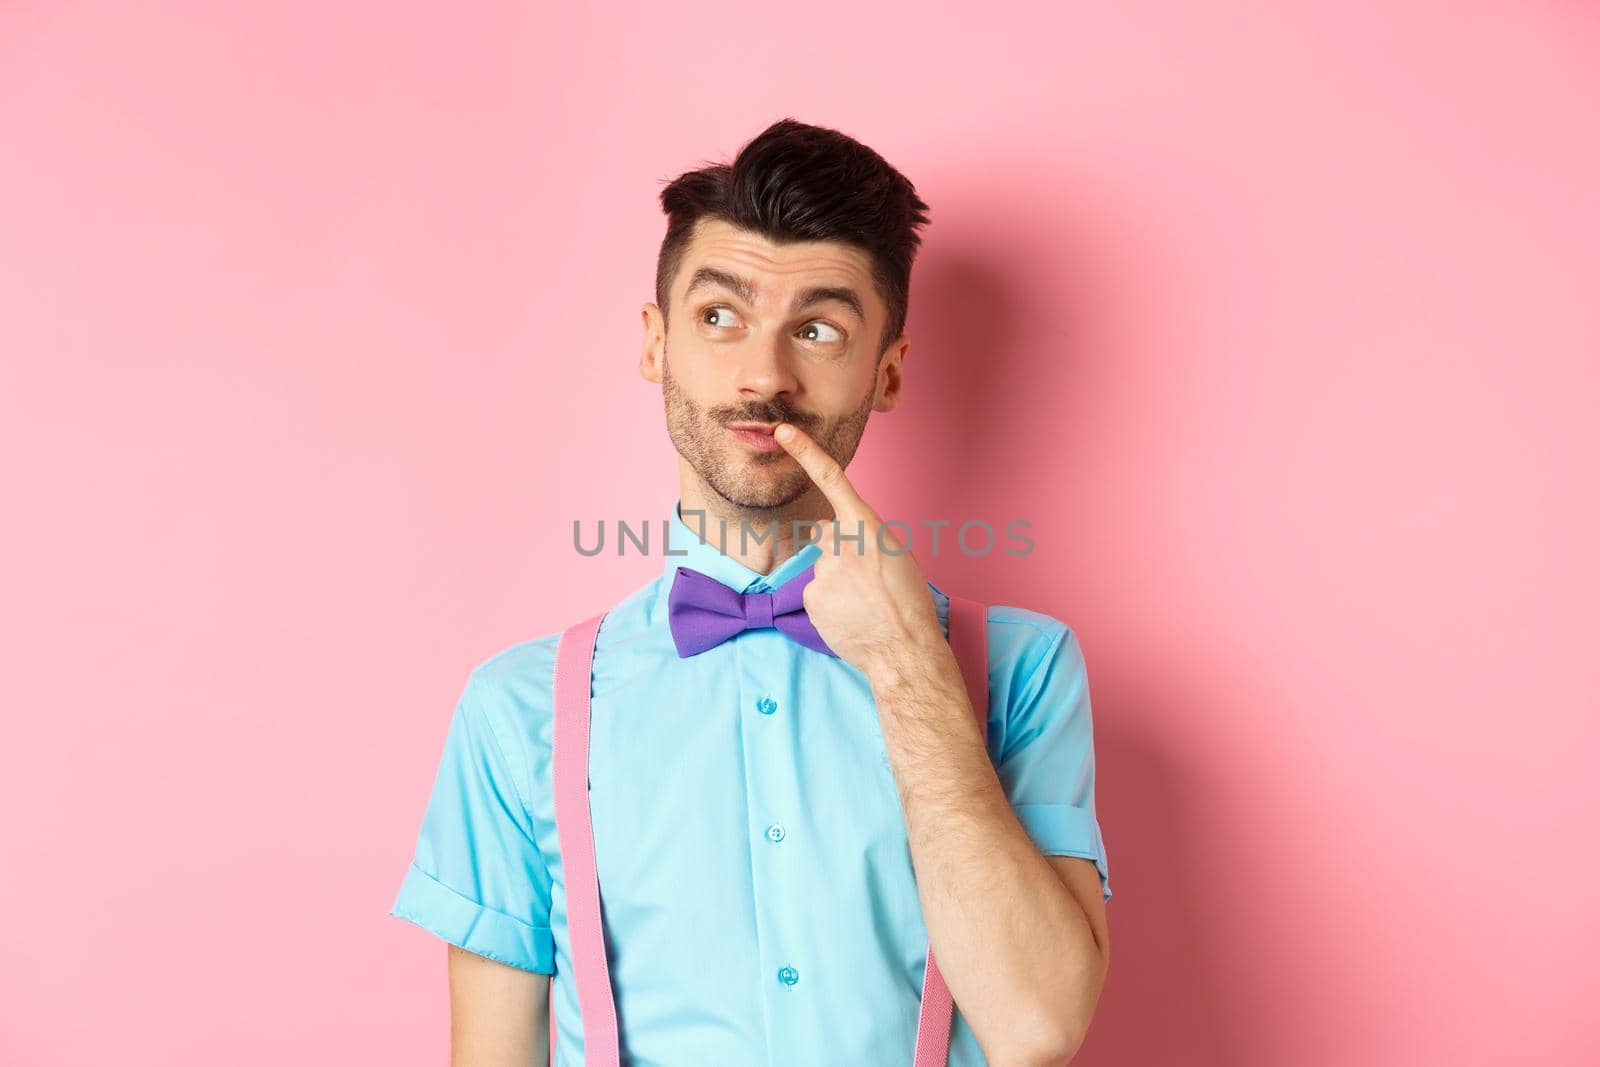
[[1013, 945]]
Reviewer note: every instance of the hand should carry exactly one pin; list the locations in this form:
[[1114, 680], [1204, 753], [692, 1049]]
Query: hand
[[867, 599]]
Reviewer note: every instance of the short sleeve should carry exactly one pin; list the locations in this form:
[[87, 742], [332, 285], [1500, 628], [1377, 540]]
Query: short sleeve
[[477, 878], [1046, 760]]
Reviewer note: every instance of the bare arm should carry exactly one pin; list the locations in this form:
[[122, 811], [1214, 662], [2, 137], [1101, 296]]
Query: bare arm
[[499, 1015], [1022, 942]]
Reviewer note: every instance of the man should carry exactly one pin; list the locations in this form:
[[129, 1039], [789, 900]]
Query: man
[[780, 831]]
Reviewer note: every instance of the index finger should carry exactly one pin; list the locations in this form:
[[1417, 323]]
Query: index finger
[[825, 472]]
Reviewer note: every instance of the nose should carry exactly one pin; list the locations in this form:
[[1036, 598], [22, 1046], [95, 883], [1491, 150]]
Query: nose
[[765, 370]]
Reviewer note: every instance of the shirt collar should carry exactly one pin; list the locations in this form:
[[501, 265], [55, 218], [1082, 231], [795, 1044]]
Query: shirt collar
[[684, 548]]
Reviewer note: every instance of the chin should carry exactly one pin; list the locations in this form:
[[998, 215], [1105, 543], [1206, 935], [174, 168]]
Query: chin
[[762, 494]]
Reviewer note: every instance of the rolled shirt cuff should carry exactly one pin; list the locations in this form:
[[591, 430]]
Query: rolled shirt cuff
[[1066, 830], [434, 906]]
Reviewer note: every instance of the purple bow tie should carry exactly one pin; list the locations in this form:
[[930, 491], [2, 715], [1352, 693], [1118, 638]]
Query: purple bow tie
[[703, 612]]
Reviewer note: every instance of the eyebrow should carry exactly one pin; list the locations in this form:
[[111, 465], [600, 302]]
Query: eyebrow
[[706, 277]]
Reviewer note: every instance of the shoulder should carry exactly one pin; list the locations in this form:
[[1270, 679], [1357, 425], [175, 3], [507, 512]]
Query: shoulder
[[1015, 625], [1023, 640], [1035, 667], [514, 687], [1018, 636], [516, 667], [510, 692]]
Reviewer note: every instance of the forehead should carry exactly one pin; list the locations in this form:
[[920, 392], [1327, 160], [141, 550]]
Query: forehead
[[775, 269]]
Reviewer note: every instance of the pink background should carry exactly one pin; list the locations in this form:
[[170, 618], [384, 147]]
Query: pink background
[[319, 325]]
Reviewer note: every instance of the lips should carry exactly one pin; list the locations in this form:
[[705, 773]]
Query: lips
[[757, 435]]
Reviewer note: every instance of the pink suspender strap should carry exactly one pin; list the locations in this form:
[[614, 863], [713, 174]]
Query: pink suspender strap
[[569, 753], [969, 640]]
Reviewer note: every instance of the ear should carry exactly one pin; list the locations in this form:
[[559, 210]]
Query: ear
[[891, 372], [655, 340]]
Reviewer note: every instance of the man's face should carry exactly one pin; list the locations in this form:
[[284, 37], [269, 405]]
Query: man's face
[[762, 333]]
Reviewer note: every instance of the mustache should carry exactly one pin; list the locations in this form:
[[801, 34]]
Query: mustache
[[794, 418]]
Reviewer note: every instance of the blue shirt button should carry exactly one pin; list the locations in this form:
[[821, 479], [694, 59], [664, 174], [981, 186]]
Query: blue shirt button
[[775, 832], [788, 976], [766, 705]]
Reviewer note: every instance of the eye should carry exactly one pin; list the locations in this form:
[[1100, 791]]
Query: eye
[[724, 312], [830, 334]]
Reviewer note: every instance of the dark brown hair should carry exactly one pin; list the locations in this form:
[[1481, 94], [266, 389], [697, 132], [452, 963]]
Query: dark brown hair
[[794, 182]]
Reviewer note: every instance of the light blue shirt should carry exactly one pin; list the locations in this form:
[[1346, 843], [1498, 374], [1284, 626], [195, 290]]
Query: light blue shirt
[[755, 875]]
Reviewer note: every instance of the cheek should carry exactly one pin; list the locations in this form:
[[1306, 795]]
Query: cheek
[[705, 369], [846, 402], [689, 378]]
